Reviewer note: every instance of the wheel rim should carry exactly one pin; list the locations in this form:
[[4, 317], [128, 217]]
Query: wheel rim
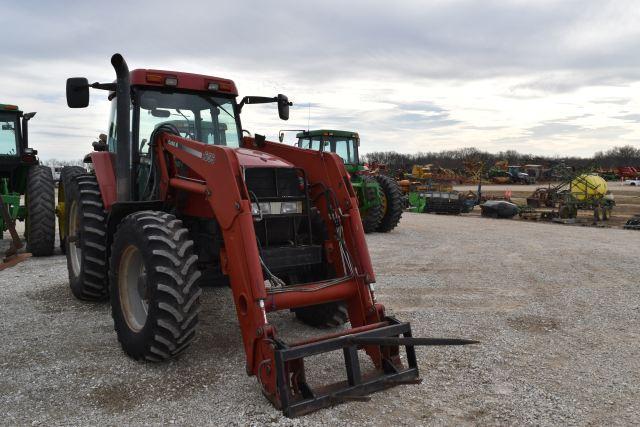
[[383, 202], [133, 289], [74, 250]]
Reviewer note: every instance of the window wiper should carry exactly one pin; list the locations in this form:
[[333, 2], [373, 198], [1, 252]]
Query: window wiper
[[211, 100]]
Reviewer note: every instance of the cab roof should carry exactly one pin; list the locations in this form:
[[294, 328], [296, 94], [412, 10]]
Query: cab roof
[[327, 132], [179, 80], [10, 108]]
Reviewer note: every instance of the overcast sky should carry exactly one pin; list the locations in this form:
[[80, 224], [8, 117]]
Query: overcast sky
[[543, 76]]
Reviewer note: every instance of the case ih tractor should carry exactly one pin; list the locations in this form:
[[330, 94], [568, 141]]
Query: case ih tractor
[[167, 204], [22, 175], [379, 197]]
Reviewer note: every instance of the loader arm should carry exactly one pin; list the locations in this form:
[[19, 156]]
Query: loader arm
[[215, 180]]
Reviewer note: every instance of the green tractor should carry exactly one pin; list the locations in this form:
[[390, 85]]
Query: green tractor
[[379, 197], [22, 174]]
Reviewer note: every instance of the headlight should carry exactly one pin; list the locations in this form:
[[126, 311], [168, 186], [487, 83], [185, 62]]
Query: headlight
[[268, 208], [290, 207], [265, 208]]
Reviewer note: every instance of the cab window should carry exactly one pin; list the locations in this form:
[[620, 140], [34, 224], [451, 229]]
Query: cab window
[[8, 137]]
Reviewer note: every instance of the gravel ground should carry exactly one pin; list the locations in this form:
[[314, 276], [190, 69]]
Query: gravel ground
[[557, 310]]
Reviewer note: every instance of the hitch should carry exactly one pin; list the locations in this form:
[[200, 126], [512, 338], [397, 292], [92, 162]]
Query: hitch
[[296, 396], [11, 256]]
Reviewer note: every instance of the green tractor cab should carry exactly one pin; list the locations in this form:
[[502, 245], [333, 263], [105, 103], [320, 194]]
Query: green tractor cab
[[22, 175], [379, 197]]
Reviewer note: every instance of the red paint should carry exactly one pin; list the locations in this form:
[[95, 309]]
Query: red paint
[[292, 299], [104, 167]]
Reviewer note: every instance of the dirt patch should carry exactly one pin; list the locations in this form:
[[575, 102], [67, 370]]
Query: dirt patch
[[535, 324]]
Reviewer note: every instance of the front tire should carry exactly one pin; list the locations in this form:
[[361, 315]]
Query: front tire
[[329, 315], [152, 285], [41, 214]]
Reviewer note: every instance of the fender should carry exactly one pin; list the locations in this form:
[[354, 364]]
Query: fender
[[104, 168]]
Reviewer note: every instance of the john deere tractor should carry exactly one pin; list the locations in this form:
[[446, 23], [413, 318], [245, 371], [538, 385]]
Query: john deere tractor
[[22, 175], [379, 197]]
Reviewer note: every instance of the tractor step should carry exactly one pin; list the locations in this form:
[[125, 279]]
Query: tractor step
[[297, 398]]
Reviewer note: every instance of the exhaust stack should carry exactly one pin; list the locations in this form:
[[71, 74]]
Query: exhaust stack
[[124, 172]]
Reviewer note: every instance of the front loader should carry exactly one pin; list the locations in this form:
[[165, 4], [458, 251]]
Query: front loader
[[177, 196]]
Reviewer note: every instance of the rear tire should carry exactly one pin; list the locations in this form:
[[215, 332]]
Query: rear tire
[[371, 217], [87, 224], [329, 315], [67, 174], [154, 294], [41, 214], [393, 212]]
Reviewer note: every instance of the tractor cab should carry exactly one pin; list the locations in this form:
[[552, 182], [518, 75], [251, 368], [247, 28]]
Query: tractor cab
[[379, 197], [15, 154], [345, 144]]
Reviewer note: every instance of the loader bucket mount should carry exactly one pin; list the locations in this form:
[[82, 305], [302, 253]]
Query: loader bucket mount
[[298, 398]]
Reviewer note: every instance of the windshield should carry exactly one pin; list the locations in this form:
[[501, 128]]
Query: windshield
[[200, 117], [8, 136], [346, 148]]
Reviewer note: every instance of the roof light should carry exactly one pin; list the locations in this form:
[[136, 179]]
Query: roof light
[[213, 86], [8, 107], [154, 78], [226, 87], [171, 81]]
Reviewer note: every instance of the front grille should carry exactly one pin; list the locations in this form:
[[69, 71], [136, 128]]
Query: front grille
[[273, 182], [276, 229]]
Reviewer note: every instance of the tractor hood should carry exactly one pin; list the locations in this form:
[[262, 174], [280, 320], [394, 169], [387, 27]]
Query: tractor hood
[[258, 159]]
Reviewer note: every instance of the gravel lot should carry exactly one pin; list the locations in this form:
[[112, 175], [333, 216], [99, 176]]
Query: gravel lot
[[557, 310]]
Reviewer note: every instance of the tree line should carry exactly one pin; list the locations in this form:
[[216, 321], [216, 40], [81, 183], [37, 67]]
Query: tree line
[[454, 159]]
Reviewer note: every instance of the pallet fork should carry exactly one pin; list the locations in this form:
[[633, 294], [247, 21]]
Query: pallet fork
[[297, 398]]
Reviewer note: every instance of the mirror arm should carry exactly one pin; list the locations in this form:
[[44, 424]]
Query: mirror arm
[[257, 100], [104, 86]]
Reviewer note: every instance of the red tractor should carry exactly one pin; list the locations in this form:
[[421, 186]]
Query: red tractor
[[179, 198]]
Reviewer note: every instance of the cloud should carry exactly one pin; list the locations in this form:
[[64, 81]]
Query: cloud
[[454, 73], [633, 118]]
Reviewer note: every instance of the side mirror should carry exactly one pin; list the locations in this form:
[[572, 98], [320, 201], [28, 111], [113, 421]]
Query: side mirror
[[28, 116], [283, 107], [77, 92], [281, 136]]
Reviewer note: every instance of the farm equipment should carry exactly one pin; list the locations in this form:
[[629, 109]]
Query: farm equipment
[[503, 173], [379, 197], [163, 206], [429, 190], [22, 175], [498, 209], [633, 223], [577, 191], [628, 172]]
